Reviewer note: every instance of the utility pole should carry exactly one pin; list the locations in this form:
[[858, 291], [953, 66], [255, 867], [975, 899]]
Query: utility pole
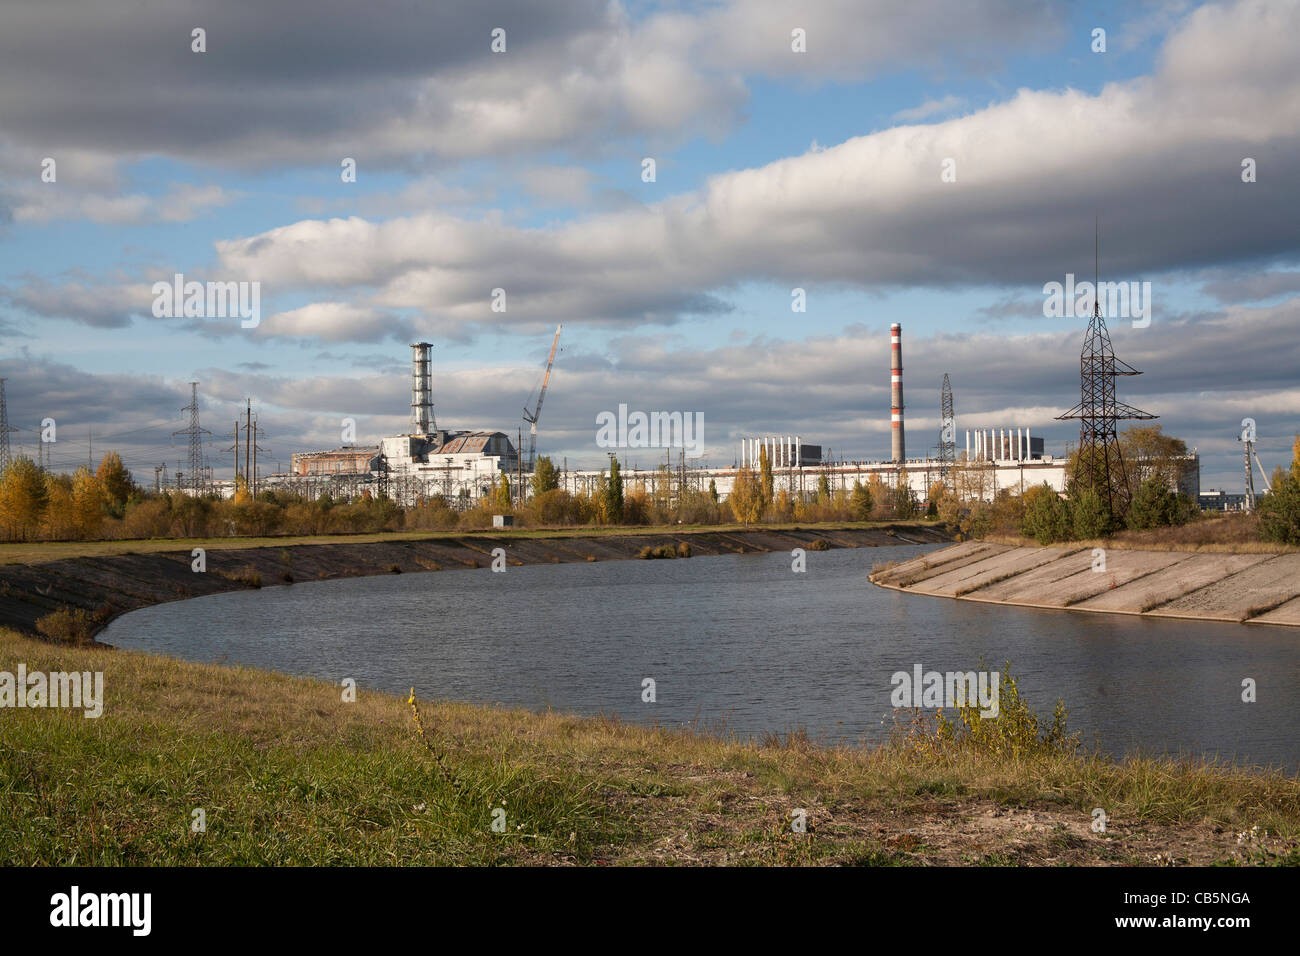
[[253, 469], [248, 422], [235, 448]]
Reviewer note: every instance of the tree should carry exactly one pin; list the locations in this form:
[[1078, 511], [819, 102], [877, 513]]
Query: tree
[[1089, 515], [713, 490], [545, 477], [501, 499], [116, 482], [88, 500], [1279, 510], [860, 501], [23, 498], [903, 498], [769, 484], [1149, 452], [614, 494], [746, 498], [823, 489], [242, 496], [1046, 518]]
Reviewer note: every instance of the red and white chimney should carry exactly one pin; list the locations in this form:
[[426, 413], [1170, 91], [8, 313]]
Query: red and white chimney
[[899, 449]]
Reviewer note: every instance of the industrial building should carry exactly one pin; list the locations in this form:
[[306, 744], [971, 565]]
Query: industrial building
[[995, 459], [425, 461], [462, 466]]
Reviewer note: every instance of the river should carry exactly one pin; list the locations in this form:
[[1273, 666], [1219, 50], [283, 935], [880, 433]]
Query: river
[[743, 644]]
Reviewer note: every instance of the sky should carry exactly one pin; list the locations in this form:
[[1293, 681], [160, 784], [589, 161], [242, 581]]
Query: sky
[[935, 164]]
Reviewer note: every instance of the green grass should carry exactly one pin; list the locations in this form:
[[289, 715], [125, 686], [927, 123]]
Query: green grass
[[289, 774]]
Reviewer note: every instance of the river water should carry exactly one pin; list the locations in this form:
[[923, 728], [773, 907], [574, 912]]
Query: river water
[[743, 644]]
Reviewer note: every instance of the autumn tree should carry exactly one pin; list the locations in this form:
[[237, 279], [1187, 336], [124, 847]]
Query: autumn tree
[[23, 499], [88, 501], [545, 477], [860, 501], [1279, 509], [116, 482], [746, 498], [1149, 452]]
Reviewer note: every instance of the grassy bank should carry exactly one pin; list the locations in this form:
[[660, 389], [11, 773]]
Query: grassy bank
[[35, 552], [288, 773], [1234, 533]]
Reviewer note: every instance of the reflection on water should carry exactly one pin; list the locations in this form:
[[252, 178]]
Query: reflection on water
[[741, 642]]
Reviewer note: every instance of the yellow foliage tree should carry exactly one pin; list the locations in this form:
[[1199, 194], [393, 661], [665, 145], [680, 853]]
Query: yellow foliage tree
[[23, 499], [116, 482], [746, 498], [88, 500]]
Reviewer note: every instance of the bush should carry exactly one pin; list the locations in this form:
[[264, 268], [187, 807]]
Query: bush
[[1089, 516], [68, 625], [1279, 510], [1155, 506], [1046, 518], [1014, 732], [247, 576], [663, 551]]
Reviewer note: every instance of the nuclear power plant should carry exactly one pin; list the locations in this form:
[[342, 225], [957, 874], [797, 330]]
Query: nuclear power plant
[[462, 466]]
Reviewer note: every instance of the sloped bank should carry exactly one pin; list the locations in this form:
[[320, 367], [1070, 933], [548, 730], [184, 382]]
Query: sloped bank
[[1243, 588], [107, 586]]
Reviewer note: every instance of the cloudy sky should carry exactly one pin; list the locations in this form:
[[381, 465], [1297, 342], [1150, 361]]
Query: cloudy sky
[[525, 170]]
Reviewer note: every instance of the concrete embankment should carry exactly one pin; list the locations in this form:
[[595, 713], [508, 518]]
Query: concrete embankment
[[1245, 588], [110, 585]]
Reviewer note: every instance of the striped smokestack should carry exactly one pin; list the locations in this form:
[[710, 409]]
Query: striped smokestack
[[896, 392], [422, 421]]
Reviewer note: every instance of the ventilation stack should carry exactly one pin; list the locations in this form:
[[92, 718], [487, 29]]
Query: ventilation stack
[[899, 450], [422, 420]]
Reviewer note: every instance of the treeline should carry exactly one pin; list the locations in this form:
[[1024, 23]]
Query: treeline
[[106, 504], [37, 505]]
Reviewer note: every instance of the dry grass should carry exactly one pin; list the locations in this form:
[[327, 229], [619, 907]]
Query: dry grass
[[1219, 534], [35, 552], [290, 774]]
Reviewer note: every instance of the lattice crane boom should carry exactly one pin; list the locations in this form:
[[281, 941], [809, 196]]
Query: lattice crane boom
[[532, 417]]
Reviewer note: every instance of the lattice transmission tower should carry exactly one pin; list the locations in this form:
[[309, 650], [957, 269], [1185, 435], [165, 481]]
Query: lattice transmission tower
[[195, 434], [5, 429], [1100, 462], [947, 431]]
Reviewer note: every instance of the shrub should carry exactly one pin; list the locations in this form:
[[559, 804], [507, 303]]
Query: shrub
[[247, 576], [1279, 510], [68, 625], [1089, 515], [662, 551], [1046, 518]]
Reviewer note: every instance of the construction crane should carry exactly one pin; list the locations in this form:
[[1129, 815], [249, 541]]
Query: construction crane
[[540, 391]]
